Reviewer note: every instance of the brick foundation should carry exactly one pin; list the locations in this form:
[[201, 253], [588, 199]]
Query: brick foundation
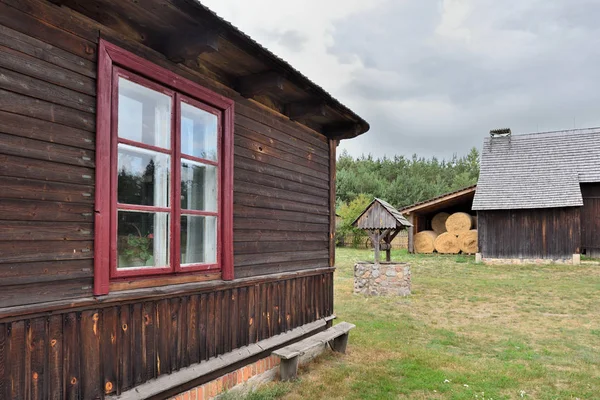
[[385, 279], [574, 260], [266, 366]]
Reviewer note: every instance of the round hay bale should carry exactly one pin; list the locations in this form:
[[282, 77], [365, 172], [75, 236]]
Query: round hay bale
[[468, 242], [423, 242], [447, 243], [459, 222], [438, 223]]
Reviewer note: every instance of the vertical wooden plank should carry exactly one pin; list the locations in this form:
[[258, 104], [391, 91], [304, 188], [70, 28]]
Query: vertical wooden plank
[[3, 357], [91, 378], [16, 355], [252, 337], [304, 306], [218, 337], [225, 326], [270, 308], [295, 304], [243, 317], [139, 354], [71, 350], [192, 351], [288, 304], [202, 327], [110, 353], [174, 305], [163, 337], [125, 348], [149, 335], [276, 308], [211, 340], [264, 317], [234, 316], [332, 159], [36, 338], [181, 331]]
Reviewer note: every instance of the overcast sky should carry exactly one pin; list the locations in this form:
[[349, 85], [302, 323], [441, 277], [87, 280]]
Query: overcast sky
[[432, 77]]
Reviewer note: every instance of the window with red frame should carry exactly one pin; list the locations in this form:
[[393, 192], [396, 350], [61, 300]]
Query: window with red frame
[[166, 172]]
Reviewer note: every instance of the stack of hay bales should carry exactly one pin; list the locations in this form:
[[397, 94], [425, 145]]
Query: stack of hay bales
[[451, 234]]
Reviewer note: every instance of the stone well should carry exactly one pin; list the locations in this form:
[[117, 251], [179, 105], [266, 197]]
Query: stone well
[[382, 279]]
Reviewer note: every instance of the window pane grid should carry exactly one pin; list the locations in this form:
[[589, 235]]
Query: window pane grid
[[186, 234]]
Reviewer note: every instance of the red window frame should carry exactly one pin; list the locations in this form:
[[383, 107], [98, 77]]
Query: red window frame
[[112, 63]]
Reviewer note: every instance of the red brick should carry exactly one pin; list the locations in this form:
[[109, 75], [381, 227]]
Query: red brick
[[201, 393], [194, 394], [238, 375]]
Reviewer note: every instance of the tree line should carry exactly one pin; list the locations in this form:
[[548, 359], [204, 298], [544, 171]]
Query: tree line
[[401, 181]]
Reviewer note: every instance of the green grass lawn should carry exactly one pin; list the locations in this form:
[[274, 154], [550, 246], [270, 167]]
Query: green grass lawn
[[468, 331]]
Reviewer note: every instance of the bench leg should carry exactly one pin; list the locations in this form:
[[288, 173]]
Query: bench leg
[[339, 343], [288, 369]]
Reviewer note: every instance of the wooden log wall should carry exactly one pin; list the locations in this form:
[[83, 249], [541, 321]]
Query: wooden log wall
[[47, 132], [90, 353], [551, 233]]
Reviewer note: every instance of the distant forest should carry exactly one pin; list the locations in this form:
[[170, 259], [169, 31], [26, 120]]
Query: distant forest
[[401, 181]]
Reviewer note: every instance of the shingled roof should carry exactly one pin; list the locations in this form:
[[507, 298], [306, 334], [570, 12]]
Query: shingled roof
[[540, 170]]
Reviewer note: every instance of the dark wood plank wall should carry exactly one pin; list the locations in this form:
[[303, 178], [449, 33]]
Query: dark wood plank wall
[[537, 233], [590, 218], [47, 123], [86, 354]]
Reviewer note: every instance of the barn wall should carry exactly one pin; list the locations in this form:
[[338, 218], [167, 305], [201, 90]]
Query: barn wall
[[47, 133], [590, 219], [552, 233]]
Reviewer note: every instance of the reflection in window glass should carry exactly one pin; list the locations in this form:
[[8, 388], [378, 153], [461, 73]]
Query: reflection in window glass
[[198, 186], [142, 239], [198, 239], [144, 114], [143, 177], [198, 132]]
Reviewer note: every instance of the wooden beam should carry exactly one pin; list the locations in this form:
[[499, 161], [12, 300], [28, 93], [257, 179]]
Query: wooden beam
[[332, 196], [302, 110], [263, 83], [344, 130], [191, 46]]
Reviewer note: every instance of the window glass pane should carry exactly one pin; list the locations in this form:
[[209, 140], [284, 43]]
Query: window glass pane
[[142, 239], [143, 177], [144, 114], [198, 186], [198, 239], [198, 132]]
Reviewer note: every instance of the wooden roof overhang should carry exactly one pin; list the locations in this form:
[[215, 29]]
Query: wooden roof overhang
[[441, 202], [187, 32]]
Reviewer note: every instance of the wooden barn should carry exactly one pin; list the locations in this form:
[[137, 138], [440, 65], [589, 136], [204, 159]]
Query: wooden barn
[[168, 197], [538, 196], [422, 214]]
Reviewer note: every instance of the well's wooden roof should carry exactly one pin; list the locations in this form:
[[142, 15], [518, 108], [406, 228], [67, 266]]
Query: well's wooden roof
[[381, 215]]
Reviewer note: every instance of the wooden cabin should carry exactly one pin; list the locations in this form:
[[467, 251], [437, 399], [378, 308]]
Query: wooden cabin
[[421, 214], [538, 196], [168, 197]]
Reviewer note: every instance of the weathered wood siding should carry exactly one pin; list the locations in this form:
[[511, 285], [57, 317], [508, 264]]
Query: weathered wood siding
[[590, 218], [47, 132], [552, 233], [85, 354]]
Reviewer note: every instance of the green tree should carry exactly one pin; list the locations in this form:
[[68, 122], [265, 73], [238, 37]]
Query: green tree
[[349, 212]]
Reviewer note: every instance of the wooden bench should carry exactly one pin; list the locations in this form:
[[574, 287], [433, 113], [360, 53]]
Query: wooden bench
[[336, 336]]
